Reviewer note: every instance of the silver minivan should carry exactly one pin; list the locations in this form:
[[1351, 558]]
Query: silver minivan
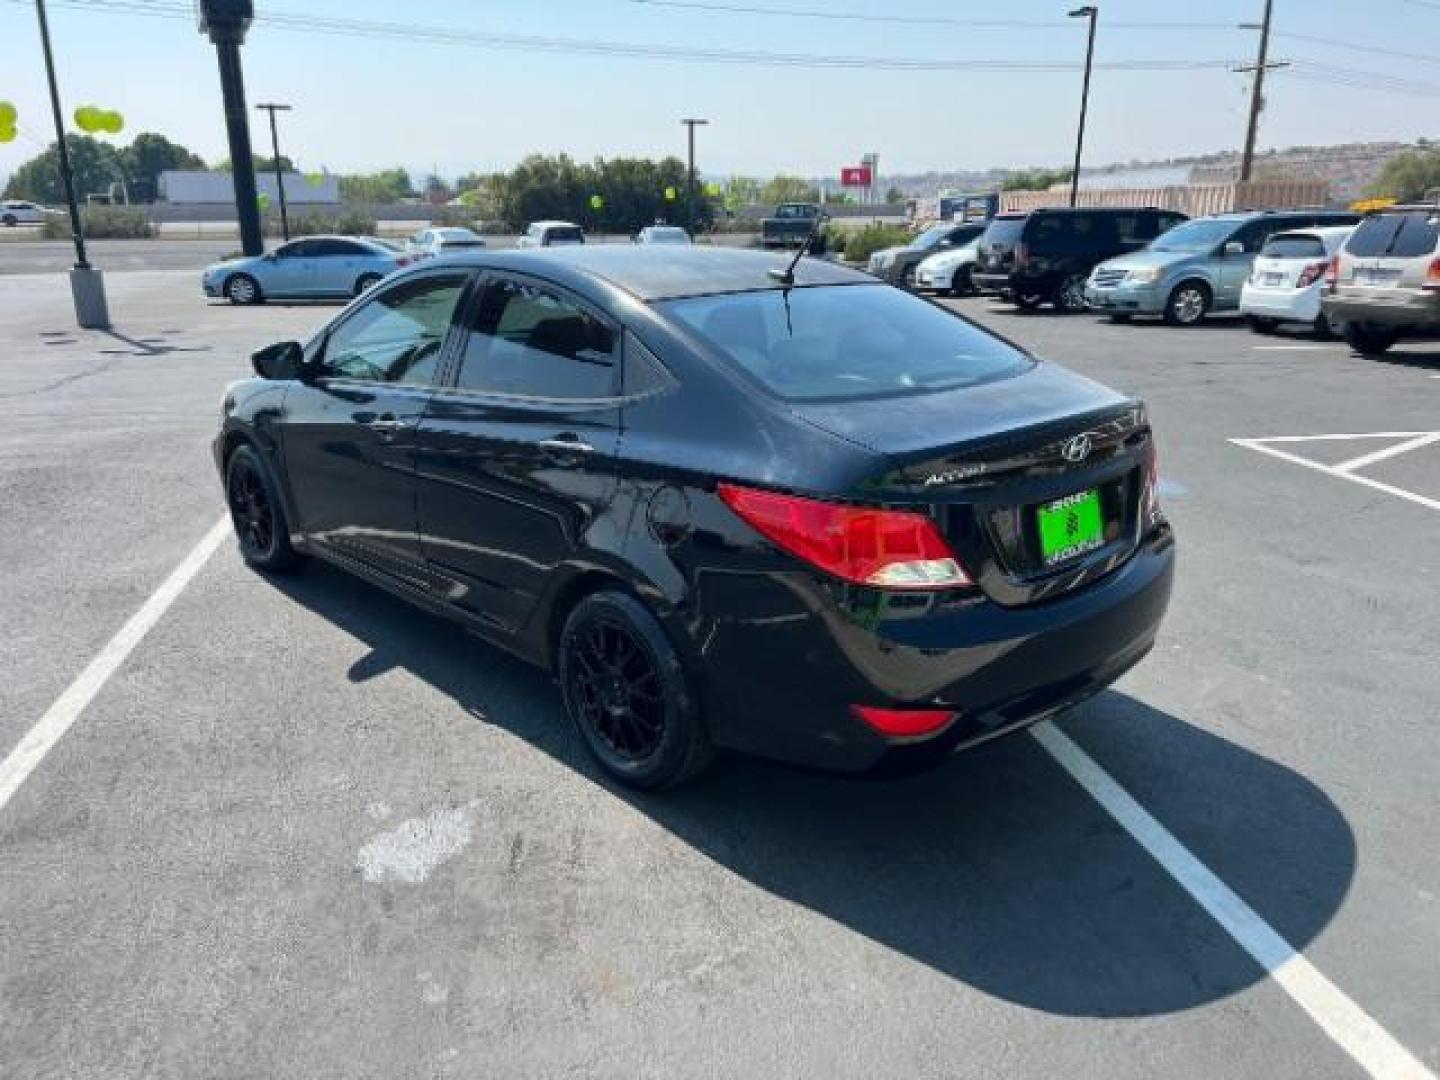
[[1197, 267], [1384, 284]]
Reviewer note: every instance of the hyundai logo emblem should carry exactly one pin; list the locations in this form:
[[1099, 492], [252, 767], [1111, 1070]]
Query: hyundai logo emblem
[[1076, 450]]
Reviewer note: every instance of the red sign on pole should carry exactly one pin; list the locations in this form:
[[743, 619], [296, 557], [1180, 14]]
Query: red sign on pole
[[855, 176]]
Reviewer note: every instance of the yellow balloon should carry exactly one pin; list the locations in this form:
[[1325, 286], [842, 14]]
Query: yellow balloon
[[263, 200], [8, 115], [7, 133], [315, 179], [670, 194], [597, 202], [85, 118], [112, 122]]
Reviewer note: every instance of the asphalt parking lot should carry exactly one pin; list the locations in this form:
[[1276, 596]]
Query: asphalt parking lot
[[293, 828]]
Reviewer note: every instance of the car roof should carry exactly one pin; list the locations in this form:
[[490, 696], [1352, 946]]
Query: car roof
[[550, 224], [1325, 232], [667, 273]]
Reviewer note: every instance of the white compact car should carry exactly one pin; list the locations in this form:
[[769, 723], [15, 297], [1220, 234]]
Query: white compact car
[[18, 212], [949, 271], [429, 243], [1288, 277], [551, 234]]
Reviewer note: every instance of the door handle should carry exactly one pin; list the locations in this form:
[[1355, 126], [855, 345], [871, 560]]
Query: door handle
[[386, 425], [567, 444]]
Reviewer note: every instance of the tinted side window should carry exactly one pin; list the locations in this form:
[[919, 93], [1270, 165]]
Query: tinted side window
[[1133, 227], [528, 340], [300, 249], [1373, 236], [396, 336], [1254, 235], [331, 248], [1417, 235]]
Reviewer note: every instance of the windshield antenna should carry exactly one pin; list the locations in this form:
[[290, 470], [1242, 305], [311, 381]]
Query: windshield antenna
[[786, 277]]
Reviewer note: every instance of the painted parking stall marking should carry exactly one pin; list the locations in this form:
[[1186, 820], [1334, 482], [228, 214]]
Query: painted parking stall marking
[[51, 728], [1285, 448], [1352, 1029]]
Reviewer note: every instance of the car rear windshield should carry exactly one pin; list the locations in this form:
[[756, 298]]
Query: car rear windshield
[[1294, 246], [842, 342], [1397, 235], [1003, 230]]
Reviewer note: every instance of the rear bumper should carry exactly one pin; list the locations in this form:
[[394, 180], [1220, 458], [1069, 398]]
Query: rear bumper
[[1286, 305], [992, 282], [934, 279], [1403, 309], [780, 669]]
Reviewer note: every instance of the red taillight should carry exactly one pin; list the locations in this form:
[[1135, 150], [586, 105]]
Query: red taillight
[[887, 549], [904, 722], [1152, 491], [1432, 276], [1313, 272], [1332, 272]]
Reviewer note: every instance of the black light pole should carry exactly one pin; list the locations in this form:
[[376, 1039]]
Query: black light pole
[[1093, 14], [87, 286], [279, 173], [691, 125], [226, 22]]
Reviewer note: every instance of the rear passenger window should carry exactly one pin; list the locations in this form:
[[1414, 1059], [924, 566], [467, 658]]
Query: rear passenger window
[[1294, 246], [1417, 236], [528, 340]]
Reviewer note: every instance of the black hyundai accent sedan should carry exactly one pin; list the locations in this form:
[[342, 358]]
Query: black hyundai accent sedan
[[806, 516]]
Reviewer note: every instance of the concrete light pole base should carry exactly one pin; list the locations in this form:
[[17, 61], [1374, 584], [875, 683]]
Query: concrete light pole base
[[87, 285]]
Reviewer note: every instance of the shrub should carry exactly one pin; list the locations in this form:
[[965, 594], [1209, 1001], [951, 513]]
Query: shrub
[[311, 223], [457, 217], [861, 245], [102, 223]]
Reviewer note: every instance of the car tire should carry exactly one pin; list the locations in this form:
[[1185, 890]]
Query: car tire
[[1188, 304], [962, 284], [10, 221], [257, 512], [365, 282], [610, 650], [242, 290], [1070, 295], [1260, 325], [1369, 340], [1028, 301]]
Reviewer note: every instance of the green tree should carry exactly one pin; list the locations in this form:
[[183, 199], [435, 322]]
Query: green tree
[[148, 155], [783, 188], [262, 164], [1035, 179], [95, 164], [1408, 176], [895, 195], [386, 186]]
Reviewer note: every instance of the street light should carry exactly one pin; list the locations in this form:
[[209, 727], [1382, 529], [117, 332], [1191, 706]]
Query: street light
[[226, 21], [1089, 11], [87, 285], [279, 174], [691, 124]]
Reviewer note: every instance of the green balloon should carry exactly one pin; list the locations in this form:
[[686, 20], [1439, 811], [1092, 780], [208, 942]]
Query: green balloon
[[263, 201], [597, 202], [315, 179], [7, 133], [670, 194], [111, 122], [87, 118], [8, 114]]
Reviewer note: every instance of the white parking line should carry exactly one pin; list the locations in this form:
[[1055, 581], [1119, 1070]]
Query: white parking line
[[51, 727], [1389, 452], [1372, 1047], [1331, 470]]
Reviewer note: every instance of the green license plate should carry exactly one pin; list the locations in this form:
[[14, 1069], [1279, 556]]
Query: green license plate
[[1070, 526]]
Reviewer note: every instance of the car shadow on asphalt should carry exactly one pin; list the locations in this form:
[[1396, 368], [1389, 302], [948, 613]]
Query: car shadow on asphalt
[[995, 869]]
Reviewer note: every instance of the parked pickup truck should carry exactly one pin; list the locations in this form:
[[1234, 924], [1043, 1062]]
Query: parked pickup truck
[[790, 225]]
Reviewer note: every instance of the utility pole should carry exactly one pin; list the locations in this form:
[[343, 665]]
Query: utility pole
[[1257, 90], [691, 125], [1093, 14], [226, 21], [87, 284], [279, 173]]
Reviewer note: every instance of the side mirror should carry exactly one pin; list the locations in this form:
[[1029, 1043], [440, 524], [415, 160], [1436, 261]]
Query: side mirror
[[279, 362], [1233, 247]]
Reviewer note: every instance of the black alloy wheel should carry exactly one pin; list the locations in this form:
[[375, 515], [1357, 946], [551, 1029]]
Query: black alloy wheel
[[256, 513], [1070, 296], [627, 693]]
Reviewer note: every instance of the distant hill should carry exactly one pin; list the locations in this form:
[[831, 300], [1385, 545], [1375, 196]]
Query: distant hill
[[1349, 167]]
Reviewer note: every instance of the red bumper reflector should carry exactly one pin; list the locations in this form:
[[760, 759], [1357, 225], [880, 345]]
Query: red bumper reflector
[[903, 721]]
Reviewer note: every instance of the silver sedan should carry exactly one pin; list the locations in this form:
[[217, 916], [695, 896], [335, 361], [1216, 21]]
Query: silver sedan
[[313, 268]]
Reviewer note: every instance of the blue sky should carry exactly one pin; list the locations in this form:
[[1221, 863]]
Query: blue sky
[[363, 103]]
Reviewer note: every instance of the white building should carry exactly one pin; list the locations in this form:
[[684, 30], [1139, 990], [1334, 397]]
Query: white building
[[187, 188]]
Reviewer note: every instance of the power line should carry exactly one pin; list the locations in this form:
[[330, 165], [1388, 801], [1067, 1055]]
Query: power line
[[576, 46], [912, 20], [1375, 49]]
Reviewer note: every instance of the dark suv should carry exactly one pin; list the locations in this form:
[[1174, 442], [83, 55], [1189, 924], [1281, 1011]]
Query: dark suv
[[1047, 255]]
